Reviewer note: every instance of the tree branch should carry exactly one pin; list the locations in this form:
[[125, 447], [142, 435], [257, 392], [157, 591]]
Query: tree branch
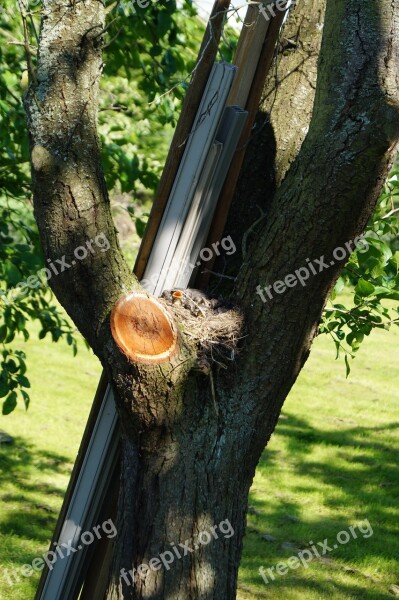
[[71, 201], [326, 198]]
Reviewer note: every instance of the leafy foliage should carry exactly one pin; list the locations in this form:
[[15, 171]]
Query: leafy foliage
[[146, 54], [20, 252], [150, 55], [372, 272]]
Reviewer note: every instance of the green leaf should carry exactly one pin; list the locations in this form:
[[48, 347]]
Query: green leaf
[[140, 227], [3, 333], [10, 336], [164, 23], [26, 398], [4, 388], [384, 292], [339, 286], [9, 403], [23, 381], [395, 259], [11, 366], [348, 368], [364, 288], [11, 273]]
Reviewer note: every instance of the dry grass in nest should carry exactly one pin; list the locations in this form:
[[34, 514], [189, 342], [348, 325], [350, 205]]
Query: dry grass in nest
[[216, 332]]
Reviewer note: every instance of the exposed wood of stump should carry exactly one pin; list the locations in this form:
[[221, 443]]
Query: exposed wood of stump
[[143, 329]]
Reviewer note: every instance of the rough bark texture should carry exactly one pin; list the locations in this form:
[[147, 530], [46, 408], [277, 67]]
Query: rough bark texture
[[187, 462], [71, 200], [290, 89], [281, 125]]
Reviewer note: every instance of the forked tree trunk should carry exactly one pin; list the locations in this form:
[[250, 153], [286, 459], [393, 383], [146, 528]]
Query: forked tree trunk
[[189, 455]]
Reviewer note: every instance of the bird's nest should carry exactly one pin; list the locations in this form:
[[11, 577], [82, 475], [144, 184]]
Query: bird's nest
[[216, 332]]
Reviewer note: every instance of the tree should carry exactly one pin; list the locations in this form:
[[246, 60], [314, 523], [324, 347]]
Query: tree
[[127, 123], [188, 456]]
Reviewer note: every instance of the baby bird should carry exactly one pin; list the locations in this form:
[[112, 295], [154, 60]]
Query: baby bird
[[196, 301]]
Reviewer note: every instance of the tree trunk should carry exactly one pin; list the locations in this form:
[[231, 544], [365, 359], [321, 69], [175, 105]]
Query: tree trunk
[[189, 454], [189, 510]]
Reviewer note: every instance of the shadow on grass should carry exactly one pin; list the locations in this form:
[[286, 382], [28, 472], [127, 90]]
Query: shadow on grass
[[27, 517], [357, 477]]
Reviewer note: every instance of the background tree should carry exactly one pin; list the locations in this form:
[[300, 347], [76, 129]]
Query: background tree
[[180, 456]]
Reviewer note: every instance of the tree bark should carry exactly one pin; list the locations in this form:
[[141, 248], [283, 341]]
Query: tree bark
[[282, 122], [189, 456]]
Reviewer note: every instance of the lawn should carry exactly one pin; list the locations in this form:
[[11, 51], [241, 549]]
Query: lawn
[[331, 464], [35, 469]]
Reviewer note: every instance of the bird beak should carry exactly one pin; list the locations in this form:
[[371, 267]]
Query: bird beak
[[177, 296]]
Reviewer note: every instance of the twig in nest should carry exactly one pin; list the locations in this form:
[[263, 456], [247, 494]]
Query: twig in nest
[[215, 331]]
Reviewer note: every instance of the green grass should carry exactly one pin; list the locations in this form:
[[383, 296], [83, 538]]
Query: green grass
[[332, 462], [35, 469]]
